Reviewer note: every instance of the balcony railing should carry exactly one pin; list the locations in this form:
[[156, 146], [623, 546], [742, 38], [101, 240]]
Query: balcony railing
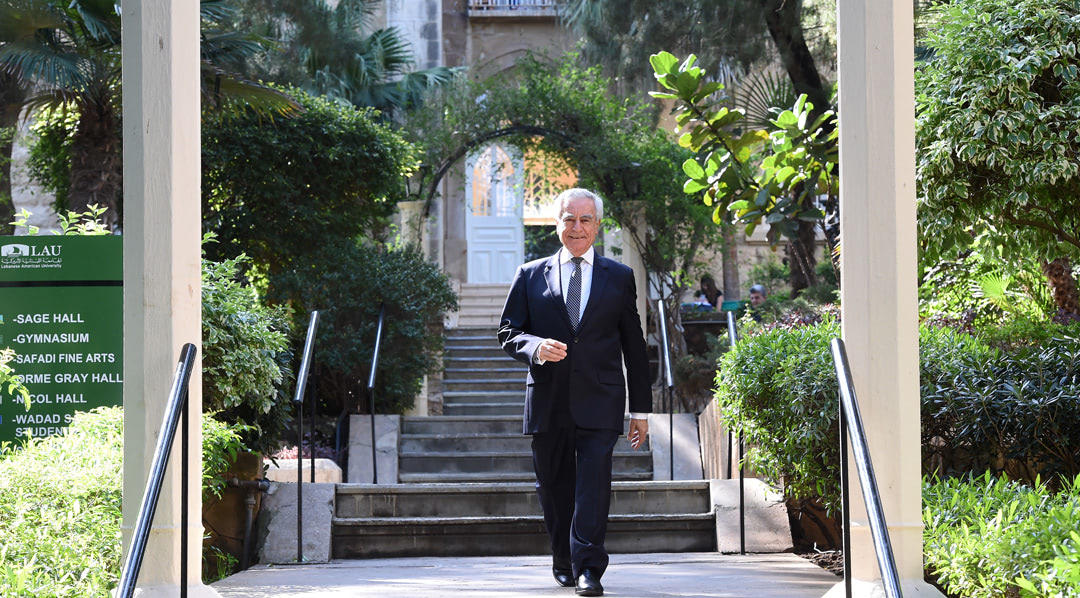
[[513, 8]]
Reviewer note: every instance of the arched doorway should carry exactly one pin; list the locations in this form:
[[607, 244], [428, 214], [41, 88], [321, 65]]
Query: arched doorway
[[508, 218]]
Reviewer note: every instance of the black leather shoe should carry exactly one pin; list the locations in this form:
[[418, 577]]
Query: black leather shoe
[[564, 576], [588, 583]]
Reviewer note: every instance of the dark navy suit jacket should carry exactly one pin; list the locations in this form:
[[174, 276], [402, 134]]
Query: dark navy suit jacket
[[590, 380]]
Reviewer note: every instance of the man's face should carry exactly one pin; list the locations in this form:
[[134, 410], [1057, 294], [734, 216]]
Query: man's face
[[577, 225], [756, 299]]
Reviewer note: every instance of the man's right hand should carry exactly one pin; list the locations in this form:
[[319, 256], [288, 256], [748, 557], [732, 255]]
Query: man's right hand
[[551, 350]]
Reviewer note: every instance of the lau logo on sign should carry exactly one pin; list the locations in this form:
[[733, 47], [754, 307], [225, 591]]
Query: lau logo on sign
[[14, 250]]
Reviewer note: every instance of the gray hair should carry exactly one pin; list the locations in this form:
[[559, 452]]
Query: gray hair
[[758, 289], [564, 198]]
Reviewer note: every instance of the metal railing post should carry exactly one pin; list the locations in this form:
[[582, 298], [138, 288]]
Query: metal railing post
[[175, 414], [311, 430], [852, 429], [669, 385], [845, 502], [184, 446], [733, 337], [298, 398], [371, 391]]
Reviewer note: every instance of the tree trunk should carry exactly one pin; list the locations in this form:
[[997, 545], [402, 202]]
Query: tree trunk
[[96, 163], [784, 20], [731, 264], [12, 96], [801, 259], [1063, 286]]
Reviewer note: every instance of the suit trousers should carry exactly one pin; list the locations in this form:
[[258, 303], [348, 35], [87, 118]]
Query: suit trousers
[[573, 481]]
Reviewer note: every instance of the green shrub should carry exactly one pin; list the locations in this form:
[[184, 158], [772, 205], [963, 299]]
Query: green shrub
[[60, 503], [348, 281], [276, 187], [246, 356], [60, 508], [1015, 411], [990, 537], [1011, 411], [779, 388]]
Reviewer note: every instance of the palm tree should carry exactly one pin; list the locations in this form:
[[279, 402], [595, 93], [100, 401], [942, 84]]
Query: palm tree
[[325, 50], [68, 53]]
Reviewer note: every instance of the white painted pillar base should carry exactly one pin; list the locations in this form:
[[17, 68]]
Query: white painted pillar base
[[874, 589]]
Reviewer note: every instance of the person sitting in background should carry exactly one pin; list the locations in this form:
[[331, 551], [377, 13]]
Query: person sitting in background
[[757, 297], [701, 302], [712, 294]]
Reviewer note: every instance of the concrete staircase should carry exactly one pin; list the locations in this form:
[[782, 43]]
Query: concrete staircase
[[480, 305], [467, 483]]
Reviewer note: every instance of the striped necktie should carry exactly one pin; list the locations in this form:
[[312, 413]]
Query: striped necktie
[[573, 294]]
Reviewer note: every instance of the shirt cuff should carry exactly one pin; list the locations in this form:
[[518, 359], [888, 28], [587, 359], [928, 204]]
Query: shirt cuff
[[536, 357], [639, 416]]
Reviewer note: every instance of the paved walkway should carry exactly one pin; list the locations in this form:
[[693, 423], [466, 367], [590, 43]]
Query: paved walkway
[[698, 575]]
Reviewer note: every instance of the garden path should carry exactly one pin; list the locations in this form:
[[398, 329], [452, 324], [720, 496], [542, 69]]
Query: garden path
[[698, 575]]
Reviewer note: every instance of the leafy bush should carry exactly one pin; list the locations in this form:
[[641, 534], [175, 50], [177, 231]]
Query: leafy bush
[[275, 187], [779, 387], [246, 356], [1015, 411], [60, 503], [990, 537], [348, 281]]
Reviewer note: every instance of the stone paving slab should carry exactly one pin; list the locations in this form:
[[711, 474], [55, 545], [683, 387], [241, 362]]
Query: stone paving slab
[[697, 575]]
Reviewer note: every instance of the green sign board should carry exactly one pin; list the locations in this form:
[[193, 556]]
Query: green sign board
[[61, 310]]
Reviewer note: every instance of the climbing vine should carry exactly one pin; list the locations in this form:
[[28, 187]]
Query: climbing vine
[[560, 107]]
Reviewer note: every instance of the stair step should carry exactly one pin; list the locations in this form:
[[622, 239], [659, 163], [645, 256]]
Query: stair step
[[516, 476], [482, 408], [508, 499], [478, 442], [484, 536], [458, 424], [516, 374], [516, 397], [482, 362], [476, 351], [473, 339], [485, 385], [502, 462]]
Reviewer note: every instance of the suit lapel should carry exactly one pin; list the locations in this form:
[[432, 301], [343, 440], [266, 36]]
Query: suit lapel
[[599, 280], [551, 273]]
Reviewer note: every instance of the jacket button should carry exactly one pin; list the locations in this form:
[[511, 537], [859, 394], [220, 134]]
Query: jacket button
[[575, 340]]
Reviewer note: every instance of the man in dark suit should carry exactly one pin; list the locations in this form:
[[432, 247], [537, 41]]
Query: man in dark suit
[[573, 318]]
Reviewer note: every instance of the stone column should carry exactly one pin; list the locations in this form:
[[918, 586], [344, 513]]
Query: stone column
[[411, 222], [878, 265], [162, 302]]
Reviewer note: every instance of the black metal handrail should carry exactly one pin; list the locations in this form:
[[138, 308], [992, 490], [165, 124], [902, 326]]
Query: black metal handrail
[[298, 398], [371, 390], [669, 384], [851, 424], [733, 337], [176, 413]]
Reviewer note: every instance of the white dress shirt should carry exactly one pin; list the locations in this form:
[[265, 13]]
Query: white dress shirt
[[566, 270]]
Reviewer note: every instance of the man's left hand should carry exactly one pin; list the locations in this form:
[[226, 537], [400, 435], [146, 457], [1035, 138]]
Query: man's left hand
[[639, 428]]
